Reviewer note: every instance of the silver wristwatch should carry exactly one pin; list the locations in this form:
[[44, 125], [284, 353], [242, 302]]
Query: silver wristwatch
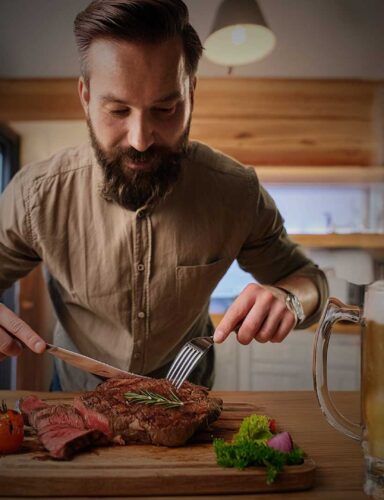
[[293, 304]]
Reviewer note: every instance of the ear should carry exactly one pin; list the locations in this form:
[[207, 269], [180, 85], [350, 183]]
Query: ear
[[192, 90], [84, 95]]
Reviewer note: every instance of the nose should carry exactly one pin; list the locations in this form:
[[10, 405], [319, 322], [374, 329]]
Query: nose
[[140, 133]]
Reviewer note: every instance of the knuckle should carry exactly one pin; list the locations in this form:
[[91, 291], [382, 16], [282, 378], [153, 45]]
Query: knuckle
[[267, 298], [264, 335], [16, 325], [6, 344], [280, 336], [244, 339], [252, 287], [261, 340]]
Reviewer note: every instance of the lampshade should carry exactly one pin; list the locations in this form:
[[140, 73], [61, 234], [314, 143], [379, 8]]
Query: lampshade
[[239, 35]]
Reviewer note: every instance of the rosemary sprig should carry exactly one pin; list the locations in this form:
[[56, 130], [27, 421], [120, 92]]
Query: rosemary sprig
[[153, 398]]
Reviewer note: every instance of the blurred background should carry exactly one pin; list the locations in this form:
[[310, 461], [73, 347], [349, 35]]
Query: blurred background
[[309, 117]]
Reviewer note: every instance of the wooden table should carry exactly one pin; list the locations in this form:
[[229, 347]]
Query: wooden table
[[339, 472]]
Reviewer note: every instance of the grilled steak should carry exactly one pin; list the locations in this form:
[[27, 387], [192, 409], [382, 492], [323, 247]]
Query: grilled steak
[[107, 410], [105, 416], [60, 428]]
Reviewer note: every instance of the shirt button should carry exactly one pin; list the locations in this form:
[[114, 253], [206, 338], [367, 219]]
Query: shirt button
[[137, 355], [141, 315], [141, 214], [140, 267]]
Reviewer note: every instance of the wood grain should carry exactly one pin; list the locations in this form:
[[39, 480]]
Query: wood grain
[[338, 459], [148, 470], [39, 99], [258, 121], [334, 175], [335, 240]]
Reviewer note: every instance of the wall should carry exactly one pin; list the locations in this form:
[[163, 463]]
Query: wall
[[315, 38], [293, 120]]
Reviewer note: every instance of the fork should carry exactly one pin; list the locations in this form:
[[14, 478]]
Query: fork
[[187, 358]]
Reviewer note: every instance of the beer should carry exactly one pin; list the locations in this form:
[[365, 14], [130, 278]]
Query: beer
[[373, 388], [371, 431]]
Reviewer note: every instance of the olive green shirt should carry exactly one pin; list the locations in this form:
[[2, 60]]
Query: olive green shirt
[[129, 288]]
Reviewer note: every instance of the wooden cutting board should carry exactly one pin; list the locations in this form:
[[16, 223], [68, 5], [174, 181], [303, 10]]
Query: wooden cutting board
[[146, 470]]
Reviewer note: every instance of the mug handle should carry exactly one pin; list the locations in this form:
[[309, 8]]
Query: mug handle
[[334, 311]]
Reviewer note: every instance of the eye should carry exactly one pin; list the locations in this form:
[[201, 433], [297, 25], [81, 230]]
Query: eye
[[166, 111], [119, 112]]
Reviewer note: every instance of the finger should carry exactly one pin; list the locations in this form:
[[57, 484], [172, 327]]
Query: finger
[[8, 345], [252, 323], [286, 326], [19, 329], [272, 322], [235, 314], [255, 321]]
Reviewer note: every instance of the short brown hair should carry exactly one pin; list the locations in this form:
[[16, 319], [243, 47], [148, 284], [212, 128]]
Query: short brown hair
[[148, 21]]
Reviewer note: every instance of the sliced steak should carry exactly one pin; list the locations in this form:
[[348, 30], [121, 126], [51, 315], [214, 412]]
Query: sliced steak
[[107, 410], [105, 416], [60, 428]]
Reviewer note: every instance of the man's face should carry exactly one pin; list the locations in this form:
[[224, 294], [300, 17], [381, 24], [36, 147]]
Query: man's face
[[138, 105]]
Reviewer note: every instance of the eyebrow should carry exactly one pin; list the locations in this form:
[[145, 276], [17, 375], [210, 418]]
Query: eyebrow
[[110, 98], [170, 97]]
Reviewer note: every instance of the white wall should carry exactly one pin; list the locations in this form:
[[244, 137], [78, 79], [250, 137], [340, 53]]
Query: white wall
[[315, 38]]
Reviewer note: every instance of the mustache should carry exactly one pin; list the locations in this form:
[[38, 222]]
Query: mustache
[[150, 154]]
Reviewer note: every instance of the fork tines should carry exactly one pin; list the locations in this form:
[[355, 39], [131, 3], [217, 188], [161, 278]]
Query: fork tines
[[184, 364]]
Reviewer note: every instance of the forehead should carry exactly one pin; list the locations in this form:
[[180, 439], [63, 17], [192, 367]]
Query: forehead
[[136, 70]]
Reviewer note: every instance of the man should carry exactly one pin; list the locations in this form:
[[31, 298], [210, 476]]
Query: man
[[137, 230]]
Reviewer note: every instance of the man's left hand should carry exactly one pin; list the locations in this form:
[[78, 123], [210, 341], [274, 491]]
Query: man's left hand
[[259, 313]]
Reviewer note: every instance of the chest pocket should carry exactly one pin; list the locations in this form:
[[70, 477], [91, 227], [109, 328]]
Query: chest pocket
[[194, 284]]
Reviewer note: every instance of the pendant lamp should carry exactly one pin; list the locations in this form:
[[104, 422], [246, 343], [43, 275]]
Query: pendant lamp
[[239, 35]]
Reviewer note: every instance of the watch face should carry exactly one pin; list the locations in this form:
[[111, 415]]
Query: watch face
[[296, 306]]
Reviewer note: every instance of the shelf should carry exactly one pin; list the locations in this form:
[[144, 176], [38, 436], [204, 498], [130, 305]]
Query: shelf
[[373, 241], [320, 175]]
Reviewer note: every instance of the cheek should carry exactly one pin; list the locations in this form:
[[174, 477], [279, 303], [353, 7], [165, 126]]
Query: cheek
[[107, 129], [175, 127]]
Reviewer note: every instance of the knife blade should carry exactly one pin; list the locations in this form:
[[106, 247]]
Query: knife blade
[[88, 364]]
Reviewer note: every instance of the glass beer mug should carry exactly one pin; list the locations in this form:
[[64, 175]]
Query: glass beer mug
[[371, 430]]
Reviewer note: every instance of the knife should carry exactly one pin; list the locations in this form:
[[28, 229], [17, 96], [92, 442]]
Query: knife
[[88, 364]]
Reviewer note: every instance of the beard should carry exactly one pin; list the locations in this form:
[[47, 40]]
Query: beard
[[131, 188]]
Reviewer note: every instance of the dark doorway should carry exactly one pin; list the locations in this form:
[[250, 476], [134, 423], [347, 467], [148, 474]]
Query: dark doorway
[[9, 164]]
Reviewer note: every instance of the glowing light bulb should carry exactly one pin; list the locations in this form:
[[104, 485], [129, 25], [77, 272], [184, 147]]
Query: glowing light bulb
[[239, 35]]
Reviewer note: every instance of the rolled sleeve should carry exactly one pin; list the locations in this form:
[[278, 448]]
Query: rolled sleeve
[[270, 255]]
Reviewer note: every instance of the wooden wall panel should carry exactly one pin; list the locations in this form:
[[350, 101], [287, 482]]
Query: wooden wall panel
[[36, 99], [283, 98], [258, 121], [284, 141]]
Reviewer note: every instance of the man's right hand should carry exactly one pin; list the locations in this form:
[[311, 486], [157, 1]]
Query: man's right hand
[[12, 329]]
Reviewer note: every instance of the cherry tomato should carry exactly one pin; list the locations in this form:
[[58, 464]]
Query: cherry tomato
[[272, 425], [11, 430]]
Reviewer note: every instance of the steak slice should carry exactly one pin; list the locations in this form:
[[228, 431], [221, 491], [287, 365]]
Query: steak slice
[[60, 428], [106, 409]]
